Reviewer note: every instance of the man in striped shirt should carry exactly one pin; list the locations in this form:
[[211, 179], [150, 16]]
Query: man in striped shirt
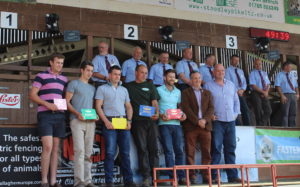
[[47, 86]]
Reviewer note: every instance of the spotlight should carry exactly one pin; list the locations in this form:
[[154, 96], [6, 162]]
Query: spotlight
[[52, 23], [166, 33], [262, 44]]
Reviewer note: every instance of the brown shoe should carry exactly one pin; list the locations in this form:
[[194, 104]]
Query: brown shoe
[[56, 185], [45, 185], [235, 180]]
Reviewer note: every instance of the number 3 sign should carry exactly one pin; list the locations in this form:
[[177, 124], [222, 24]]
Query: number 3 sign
[[231, 42], [9, 20], [131, 32]]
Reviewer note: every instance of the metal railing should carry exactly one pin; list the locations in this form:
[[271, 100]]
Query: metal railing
[[244, 169]]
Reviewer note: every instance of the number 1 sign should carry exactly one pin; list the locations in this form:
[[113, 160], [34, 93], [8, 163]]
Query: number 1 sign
[[9, 20]]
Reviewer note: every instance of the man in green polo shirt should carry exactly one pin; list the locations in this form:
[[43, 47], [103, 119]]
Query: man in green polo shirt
[[144, 129]]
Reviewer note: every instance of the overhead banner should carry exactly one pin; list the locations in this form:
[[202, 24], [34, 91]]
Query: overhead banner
[[168, 3], [271, 10], [292, 11], [277, 146]]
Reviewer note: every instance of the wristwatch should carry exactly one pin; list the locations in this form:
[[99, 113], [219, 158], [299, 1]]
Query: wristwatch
[[129, 120]]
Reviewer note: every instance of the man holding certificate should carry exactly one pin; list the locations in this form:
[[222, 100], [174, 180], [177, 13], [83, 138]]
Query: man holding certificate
[[197, 104], [169, 123], [80, 100], [144, 96], [114, 108]]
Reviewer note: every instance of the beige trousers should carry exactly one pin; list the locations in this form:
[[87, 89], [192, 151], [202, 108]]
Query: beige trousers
[[83, 134]]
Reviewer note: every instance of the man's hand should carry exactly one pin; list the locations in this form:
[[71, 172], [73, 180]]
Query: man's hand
[[80, 117], [297, 96], [164, 117], [183, 117], [283, 99], [51, 106], [265, 94], [108, 125], [201, 123], [155, 117], [128, 125], [214, 117], [240, 92]]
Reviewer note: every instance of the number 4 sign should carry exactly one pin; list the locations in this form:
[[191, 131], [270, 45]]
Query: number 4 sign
[[9, 20], [231, 42], [131, 32]]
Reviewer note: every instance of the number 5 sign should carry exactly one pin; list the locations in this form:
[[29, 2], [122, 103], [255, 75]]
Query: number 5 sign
[[131, 32], [231, 42], [9, 20]]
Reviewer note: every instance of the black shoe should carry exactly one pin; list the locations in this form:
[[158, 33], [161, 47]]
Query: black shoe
[[130, 184], [182, 181], [235, 180], [109, 185], [193, 180], [215, 181], [146, 182]]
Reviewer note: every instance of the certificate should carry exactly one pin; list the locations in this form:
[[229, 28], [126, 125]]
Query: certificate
[[60, 103], [89, 114], [146, 111], [174, 113], [119, 123]]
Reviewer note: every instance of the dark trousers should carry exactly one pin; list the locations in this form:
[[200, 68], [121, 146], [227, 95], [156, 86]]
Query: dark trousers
[[262, 109], [223, 135], [288, 111], [245, 112], [172, 141], [202, 136], [145, 136]]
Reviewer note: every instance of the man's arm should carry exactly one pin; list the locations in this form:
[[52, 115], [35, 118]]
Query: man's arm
[[78, 115], [101, 114], [35, 98], [186, 108], [283, 99], [100, 76], [155, 104], [129, 113], [184, 79]]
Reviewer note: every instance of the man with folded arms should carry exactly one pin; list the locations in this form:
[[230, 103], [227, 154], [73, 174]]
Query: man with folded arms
[[80, 96], [170, 129], [227, 108], [113, 103], [144, 128], [46, 87], [198, 106]]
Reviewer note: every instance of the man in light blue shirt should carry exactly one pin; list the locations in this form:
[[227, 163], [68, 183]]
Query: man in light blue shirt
[[112, 101], [227, 108], [184, 67], [236, 75], [260, 85], [128, 67], [207, 69], [157, 70], [102, 64], [287, 87], [170, 130]]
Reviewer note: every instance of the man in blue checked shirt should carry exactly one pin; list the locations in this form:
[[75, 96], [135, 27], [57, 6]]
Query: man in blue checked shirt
[[227, 108], [184, 67], [236, 75], [102, 63], [157, 70], [128, 67], [260, 85], [207, 69], [287, 87]]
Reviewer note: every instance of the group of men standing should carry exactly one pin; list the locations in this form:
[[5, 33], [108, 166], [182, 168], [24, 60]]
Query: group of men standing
[[210, 99]]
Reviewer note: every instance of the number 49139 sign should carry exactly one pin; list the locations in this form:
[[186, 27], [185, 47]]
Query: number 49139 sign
[[131, 32], [9, 20]]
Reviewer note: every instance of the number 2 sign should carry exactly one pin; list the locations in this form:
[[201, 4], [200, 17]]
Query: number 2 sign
[[9, 20], [131, 32]]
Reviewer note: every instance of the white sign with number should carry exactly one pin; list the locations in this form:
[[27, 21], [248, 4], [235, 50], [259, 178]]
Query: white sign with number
[[231, 42], [9, 20], [131, 32]]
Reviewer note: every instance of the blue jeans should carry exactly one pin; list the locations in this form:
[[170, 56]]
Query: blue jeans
[[223, 134], [172, 141], [112, 138]]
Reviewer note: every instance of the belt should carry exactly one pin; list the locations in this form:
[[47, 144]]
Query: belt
[[290, 93], [116, 116]]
